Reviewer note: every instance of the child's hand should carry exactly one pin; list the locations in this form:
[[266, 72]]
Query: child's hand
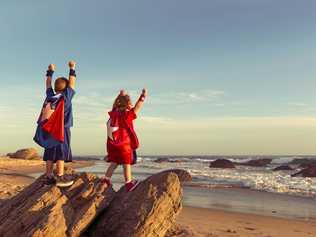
[[123, 92], [51, 67], [72, 64], [145, 92]]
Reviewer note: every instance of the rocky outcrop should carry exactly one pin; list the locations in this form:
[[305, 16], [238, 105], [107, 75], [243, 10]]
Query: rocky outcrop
[[184, 176], [26, 154], [180, 231], [302, 162], [283, 167], [149, 210], [41, 210], [222, 163], [310, 171], [257, 163], [88, 208]]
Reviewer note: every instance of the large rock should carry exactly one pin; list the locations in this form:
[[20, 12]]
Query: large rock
[[222, 163], [181, 231], [257, 163], [149, 210], [26, 154], [310, 171], [303, 162], [184, 176], [306, 165], [283, 167], [41, 210]]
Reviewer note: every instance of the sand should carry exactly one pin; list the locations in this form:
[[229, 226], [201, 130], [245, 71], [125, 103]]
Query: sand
[[211, 223], [15, 175]]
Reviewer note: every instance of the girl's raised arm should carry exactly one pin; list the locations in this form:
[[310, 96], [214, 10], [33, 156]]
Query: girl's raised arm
[[141, 100]]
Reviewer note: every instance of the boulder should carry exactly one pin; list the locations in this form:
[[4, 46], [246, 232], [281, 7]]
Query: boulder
[[302, 162], [257, 163], [222, 163], [149, 210], [184, 176], [306, 165], [310, 171], [26, 154], [41, 210], [283, 167], [180, 231]]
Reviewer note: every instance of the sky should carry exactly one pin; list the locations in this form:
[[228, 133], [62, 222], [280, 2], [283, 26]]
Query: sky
[[225, 77]]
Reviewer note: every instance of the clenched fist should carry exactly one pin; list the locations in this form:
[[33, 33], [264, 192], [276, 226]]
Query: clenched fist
[[51, 67], [72, 64]]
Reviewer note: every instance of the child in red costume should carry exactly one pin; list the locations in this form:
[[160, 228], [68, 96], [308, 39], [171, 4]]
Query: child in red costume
[[122, 140]]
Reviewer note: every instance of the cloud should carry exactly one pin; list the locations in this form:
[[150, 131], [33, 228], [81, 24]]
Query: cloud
[[156, 120], [231, 122], [298, 104], [201, 96]]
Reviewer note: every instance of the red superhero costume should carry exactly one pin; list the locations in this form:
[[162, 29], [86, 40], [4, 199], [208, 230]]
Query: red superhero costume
[[122, 140]]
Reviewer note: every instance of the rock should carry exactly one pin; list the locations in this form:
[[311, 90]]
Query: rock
[[184, 176], [302, 162], [149, 210], [283, 167], [41, 210], [306, 165], [27, 154], [161, 160], [165, 160], [180, 231], [222, 163], [310, 171], [257, 163]]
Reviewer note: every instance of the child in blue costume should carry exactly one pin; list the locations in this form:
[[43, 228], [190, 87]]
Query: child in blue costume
[[60, 153]]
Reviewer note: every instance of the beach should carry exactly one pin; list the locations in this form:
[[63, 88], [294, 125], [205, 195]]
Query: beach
[[214, 220], [215, 223], [15, 174]]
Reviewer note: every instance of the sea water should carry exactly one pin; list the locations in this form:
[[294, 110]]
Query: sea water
[[258, 190]]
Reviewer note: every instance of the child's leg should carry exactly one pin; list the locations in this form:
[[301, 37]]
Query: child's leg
[[127, 173], [49, 168], [60, 167], [109, 172]]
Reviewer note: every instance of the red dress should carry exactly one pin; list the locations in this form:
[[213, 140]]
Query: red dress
[[122, 140]]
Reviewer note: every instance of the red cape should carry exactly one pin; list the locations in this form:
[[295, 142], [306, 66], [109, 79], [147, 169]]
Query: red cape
[[55, 124]]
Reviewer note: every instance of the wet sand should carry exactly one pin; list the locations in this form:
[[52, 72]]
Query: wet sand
[[217, 223], [252, 202]]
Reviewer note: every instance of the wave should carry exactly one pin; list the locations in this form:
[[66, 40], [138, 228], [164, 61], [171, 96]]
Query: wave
[[258, 178]]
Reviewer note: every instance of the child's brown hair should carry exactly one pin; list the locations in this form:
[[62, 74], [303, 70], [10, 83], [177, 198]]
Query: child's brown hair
[[61, 83], [122, 102]]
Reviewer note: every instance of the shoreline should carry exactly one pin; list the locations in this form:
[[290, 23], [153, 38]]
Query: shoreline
[[192, 220]]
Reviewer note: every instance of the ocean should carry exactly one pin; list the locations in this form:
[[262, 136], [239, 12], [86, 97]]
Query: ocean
[[258, 190]]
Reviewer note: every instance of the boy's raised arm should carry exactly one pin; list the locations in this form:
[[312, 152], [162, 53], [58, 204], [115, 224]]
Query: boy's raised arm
[[72, 74], [49, 75], [140, 102]]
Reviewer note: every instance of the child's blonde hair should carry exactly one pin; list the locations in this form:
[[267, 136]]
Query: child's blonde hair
[[122, 102]]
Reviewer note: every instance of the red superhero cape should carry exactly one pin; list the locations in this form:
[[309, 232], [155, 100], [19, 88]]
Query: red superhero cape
[[55, 124], [122, 120]]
